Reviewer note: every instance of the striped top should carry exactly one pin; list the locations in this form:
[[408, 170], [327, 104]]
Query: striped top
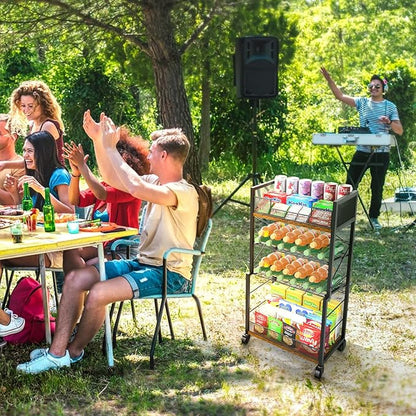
[[369, 112]]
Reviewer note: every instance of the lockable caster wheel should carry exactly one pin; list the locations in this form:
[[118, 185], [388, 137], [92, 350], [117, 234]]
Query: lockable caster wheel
[[245, 338], [318, 372], [342, 346]]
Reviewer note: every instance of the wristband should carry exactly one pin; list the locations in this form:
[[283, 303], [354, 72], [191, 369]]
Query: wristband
[[75, 176]]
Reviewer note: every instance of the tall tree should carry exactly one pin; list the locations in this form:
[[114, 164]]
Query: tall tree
[[156, 27]]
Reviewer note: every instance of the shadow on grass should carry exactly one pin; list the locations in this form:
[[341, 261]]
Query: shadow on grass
[[184, 371]]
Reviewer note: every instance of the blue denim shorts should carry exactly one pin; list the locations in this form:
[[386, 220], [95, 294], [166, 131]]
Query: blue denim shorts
[[145, 280]]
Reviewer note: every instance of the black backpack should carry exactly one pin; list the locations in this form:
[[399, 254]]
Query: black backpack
[[205, 206]]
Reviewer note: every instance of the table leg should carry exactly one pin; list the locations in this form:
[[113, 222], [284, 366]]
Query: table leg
[[108, 341], [45, 296]]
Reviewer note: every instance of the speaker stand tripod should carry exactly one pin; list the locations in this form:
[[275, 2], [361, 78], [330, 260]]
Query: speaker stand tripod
[[254, 175]]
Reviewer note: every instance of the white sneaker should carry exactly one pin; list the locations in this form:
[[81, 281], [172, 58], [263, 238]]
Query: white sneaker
[[44, 362], [15, 325]]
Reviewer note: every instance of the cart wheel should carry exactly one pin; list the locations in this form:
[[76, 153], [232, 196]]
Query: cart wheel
[[245, 338], [342, 346], [318, 372]]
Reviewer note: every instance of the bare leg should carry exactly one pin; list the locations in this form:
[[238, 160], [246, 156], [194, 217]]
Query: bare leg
[[100, 295], [77, 258], [26, 261], [77, 283]]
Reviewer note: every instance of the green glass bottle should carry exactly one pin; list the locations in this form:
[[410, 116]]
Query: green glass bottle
[[48, 213], [27, 203]]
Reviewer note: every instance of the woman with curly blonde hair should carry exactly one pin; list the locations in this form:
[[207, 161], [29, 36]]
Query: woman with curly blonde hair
[[33, 102]]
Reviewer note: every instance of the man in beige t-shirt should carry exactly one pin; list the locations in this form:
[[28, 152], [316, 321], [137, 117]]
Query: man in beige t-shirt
[[8, 154], [170, 220]]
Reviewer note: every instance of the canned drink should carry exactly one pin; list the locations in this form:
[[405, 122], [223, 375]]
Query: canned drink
[[305, 186], [317, 189], [330, 191], [343, 189], [280, 183], [292, 183]]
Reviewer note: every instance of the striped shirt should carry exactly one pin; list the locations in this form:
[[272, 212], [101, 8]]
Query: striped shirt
[[370, 111]]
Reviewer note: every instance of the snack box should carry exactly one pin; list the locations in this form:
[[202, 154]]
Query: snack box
[[278, 289], [275, 328], [312, 301], [295, 308], [321, 213], [309, 338], [298, 213], [273, 300], [279, 209], [260, 322], [303, 200], [276, 196], [261, 318], [295, 295]]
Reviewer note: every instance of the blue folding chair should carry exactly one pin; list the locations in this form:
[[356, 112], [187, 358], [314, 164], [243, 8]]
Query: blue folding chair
[[197, 253]]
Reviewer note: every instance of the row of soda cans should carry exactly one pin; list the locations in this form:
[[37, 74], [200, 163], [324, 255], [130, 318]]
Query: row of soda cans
[[329, 191]]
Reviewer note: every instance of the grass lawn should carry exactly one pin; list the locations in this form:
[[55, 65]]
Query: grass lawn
[[374, 375]]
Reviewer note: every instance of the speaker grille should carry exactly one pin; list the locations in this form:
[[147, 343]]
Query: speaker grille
[[256, 67]]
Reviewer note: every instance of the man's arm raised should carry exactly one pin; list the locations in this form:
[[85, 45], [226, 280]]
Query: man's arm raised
[[115, 171]]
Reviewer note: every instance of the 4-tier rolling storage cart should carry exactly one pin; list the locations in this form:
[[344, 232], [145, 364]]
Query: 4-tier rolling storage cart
[[298, 283]]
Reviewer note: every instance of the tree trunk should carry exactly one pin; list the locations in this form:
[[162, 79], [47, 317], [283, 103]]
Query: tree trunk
[[171, 96], [205, 140]]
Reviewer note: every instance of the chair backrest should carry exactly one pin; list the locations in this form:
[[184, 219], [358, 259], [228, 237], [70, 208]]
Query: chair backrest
[[200, 244], [198, 252]]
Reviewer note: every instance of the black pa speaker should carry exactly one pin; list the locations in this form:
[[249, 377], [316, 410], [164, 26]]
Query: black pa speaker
[[255, 66]]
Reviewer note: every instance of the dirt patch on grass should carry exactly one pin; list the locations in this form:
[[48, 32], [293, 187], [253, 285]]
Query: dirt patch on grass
[[374, 375]]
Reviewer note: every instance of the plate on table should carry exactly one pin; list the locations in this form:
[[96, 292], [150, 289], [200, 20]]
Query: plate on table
[[12, 213], [5, 223], [59, 217], [101, 227]]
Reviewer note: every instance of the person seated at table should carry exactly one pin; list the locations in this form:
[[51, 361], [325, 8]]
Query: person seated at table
[[43, 170], [8, 154], [33, 105], [10, 323], [170, 221], [110, 204]]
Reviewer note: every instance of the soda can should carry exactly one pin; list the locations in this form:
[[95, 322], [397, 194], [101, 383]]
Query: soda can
[[317, 189], [343, 189], [292, 183], [280, 183], [305, 185], [330, 191]]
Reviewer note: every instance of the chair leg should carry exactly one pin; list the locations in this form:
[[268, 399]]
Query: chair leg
[[157, 330], [115, 328], [133, 311], [157, 314], [172, 335], [9, 280], [198, 304], [55, 289]]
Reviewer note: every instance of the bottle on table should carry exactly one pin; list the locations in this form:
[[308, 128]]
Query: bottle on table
[[27, 203], [48, 213]]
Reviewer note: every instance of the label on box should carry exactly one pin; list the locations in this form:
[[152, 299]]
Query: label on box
[[275, 328], [304, 200], [320, 217], [295, 295], [276, 197], [278, 289], [289, 335], [311, 300]]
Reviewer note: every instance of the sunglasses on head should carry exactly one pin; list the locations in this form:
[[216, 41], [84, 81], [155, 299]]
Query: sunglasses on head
[[376, 86]]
